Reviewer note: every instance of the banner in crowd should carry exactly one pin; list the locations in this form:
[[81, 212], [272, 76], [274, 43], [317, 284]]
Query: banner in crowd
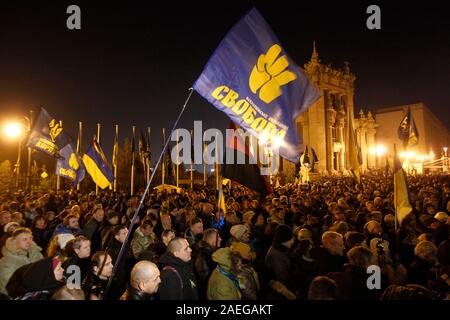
[[407, 130], [70, 165], [97, 165], [252, 80], [48, 135], [401, 194]]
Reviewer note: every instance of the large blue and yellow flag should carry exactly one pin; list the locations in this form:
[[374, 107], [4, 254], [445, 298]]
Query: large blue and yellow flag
[[48, 135], [401, 193], [97, 165], [70, 165], [251, 78]]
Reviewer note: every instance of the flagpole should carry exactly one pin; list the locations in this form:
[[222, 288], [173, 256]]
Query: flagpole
[[192, 168], [29, 184], [133, 220], [58, 178], [132, 161], [80, 132], [98, 141], [204, 165], [163, 168], [178, 165], [149, 154], [217, 164], [115, 156]]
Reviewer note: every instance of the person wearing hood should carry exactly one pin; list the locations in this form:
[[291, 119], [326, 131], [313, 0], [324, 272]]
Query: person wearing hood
[[8, 229], [223, 283], [37, 281], [18, 251], [177, 276]]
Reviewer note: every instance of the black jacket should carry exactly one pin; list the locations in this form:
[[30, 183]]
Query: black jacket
[[352, 284], [92, 284], [179, 285], [33, 277], [326, 261], [203, 265], [134, 294]]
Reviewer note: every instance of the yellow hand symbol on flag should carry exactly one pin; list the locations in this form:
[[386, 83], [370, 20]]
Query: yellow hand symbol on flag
[[269, 74], [73, 163]]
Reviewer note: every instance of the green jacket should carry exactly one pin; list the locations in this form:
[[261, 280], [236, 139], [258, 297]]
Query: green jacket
[[222, 285], [141, 242], [13, 260]]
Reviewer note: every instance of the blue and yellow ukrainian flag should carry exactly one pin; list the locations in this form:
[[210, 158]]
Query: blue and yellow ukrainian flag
[[97, 166], [401, 194]]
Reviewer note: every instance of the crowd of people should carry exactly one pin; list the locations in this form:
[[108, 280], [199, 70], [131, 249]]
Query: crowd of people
[[311, 241]]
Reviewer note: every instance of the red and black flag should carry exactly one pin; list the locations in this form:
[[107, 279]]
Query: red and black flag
[[247, 173]]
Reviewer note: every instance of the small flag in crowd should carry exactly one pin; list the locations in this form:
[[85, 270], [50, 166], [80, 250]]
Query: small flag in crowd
[[48, 135], [407, 130], [401, 194], [97, 165]]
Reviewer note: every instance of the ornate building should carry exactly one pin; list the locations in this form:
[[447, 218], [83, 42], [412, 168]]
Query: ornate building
[[324, 126]]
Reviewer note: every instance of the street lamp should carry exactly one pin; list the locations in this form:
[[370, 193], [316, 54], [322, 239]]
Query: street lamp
[[379, 150], [15, 130]]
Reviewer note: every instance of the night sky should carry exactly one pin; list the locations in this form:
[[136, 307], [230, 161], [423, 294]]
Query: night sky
[[133, 61]]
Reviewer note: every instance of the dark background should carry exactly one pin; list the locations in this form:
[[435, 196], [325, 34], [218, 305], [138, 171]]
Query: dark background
[[132, 62]]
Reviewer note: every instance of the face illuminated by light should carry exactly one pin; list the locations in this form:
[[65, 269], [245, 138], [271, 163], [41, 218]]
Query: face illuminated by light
[[185, 252]]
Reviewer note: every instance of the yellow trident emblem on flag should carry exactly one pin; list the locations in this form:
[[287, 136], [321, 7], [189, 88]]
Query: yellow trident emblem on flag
[[269, 74], [55, 129]]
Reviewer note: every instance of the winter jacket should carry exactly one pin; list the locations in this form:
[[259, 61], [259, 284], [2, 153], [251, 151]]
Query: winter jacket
[[177, 285], [34, 277], [60, 228], [141, 242], [326, 261], [14, 259], [278, 263], [93, 285], [223, 285], [352, 284], [203, 265], [135, 294]]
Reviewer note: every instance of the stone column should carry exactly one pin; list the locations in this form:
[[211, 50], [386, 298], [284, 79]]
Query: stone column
[[340, 124], [362, 139], [371, 139], [331, 118]]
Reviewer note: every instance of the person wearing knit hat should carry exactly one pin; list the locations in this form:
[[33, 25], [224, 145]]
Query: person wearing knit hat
[[247, 277], [283, 234], [441, 216], [372, 228], [42, 278], [13, 225], [63, 238], [240, 232], [244, 250], [248, 216]]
